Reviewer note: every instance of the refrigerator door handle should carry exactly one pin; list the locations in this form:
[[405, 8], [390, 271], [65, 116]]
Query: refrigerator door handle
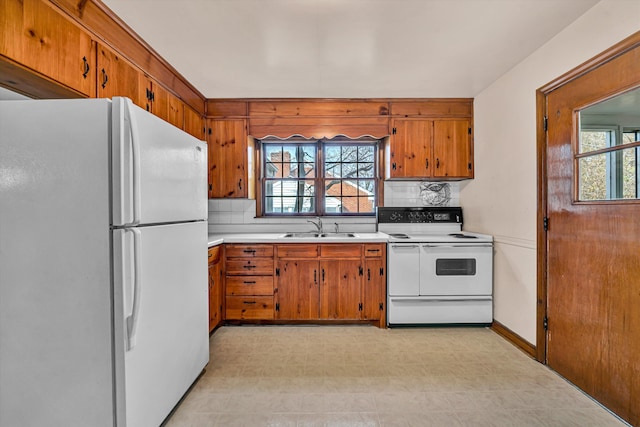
[[135, 157], [132, 319]]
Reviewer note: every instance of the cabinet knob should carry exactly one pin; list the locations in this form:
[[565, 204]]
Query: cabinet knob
[[426, 164]]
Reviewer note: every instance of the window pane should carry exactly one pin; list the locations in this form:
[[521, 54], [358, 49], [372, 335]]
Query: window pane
[[593, 177], [333, 169], [273, 188], [332, 153], [365, 153], [591, 140], [366, 170], [630, 173]]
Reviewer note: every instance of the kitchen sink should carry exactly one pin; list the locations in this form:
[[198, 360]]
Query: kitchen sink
[[323, 235], [338, 235], [302, 235]]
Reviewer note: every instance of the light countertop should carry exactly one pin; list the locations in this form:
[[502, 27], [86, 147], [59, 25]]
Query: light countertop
[[216, 239]]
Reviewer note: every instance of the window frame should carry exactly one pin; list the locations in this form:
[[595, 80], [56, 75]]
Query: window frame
[[320, 178], [614, 163]]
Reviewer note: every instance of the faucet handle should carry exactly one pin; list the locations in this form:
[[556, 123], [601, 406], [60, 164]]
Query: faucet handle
[[337, 226]]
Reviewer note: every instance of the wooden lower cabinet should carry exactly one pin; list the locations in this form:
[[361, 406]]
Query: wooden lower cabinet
[[304, 282], [215, 287], [297, 289], [249, 282]]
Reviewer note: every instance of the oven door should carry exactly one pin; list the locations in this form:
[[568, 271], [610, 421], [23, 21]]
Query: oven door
[[403, 270], [456, 269]]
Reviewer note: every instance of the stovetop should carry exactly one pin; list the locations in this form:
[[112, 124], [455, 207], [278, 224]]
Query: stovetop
[[426, 225]]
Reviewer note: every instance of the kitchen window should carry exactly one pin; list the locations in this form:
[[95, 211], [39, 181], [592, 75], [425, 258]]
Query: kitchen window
[[336, 176]]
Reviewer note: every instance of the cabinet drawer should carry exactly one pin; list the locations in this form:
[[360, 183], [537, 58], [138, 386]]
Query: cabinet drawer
[[249, 308], [214, 254], [237, 251], [343, 250], [374, 250], [249, 285], [297, 251], [250, 266]]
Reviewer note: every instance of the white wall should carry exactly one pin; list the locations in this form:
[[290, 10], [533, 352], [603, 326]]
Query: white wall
[[502, 199]]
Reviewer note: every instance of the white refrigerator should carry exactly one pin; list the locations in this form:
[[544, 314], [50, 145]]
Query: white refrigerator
[[103, 264]]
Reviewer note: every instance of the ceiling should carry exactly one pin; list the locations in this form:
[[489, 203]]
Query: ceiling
[[345, 48]]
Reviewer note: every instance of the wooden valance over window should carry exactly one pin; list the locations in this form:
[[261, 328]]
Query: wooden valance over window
[[318, 127]]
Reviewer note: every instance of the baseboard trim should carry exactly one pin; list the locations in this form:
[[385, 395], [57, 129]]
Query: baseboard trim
[[514, 338]]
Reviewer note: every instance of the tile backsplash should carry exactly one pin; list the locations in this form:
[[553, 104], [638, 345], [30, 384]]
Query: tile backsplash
[[239, 215], [421, 193]]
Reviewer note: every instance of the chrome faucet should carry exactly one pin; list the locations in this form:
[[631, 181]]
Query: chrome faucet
[[318, 224], [337, 227]]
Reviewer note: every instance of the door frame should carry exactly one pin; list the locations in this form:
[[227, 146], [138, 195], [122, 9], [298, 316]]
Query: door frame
[[616, 50]]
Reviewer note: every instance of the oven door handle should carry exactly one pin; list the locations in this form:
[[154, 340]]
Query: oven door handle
[[405, 246], [478, 245], [429, 299]]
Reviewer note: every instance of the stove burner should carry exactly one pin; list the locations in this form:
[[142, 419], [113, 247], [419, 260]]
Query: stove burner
[[399, 235], [462, 236]]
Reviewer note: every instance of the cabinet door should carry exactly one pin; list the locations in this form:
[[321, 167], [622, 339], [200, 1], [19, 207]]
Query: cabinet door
[[297, 290], [410, 148], [374, 288], [340, 284], [118, 77], [227, 140], [36, 35], [452, 149], [193, 122], [215, 295]]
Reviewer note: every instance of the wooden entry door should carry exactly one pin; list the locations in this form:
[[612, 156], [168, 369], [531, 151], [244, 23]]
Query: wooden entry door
[[592, 250]]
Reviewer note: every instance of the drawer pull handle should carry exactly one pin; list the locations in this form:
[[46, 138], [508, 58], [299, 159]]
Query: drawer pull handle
[[249, 251], [373, 250], [248, 302], [248, 267], [86, 67], [210, 255], [252, 282]]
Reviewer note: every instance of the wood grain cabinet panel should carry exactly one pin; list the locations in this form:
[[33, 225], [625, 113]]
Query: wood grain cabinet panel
[[37, 36], [249, 308], [118, 77], [340, 289], [227, 141], [193, 122], [420, 148], [249, 285], [374, 289], [452, 149], [297, 289], [215, 287]]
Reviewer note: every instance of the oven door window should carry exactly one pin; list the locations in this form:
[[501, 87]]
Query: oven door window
[[456, 267]]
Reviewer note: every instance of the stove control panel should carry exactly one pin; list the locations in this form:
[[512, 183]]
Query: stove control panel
[[426, 215]]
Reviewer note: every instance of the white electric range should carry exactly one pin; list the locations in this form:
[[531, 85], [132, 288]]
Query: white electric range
[[436, 273]]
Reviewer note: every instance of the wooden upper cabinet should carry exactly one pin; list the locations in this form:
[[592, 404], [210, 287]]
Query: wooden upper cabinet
[[420, 148], [452, 149], [193, 122], [35, 35], [227, 142], [118, 77], [175, 111], [410, 148]]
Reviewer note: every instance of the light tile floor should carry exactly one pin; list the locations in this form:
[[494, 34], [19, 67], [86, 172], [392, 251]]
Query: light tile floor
[[365, 376]]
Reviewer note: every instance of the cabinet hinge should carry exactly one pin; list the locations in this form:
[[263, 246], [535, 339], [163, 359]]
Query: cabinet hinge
[[394, 131], [360, 307], [381, 306], [469, 131], [277, 306], [210, 187], [546, 123], [545, 323], [209, 131], [469, 165], [545, 223], [277, 272], [360, 270], [381, 271]]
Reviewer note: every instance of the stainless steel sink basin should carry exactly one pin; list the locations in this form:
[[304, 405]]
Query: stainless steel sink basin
[[338, 235], [323, 235], [302, 235]]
